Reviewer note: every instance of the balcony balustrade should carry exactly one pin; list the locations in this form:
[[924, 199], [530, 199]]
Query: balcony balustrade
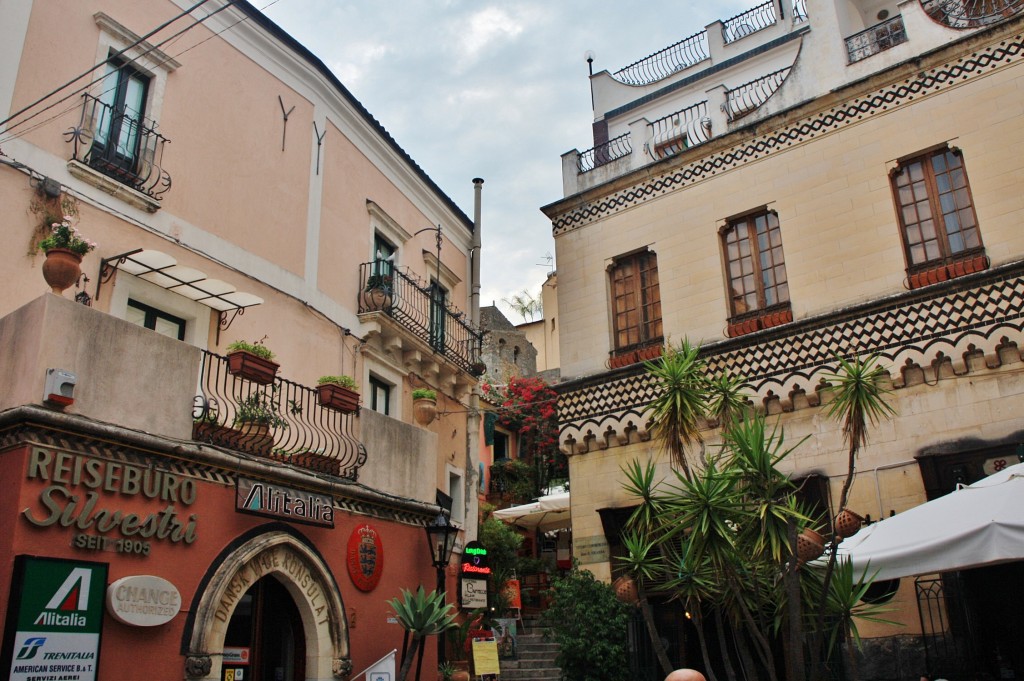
[[799, 12], [664, 63], [878, 38], [602, 154], [281, 420], [681, 129], [124, 148], [745, 98], [753, 20], [421, 310]]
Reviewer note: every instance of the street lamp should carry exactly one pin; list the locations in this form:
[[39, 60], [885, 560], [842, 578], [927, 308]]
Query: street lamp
[[441, 538]]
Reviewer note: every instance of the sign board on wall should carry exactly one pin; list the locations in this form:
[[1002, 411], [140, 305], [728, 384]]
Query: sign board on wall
[[365, 557], [143, 600], [55, 619], [274, 501], [591, 549]]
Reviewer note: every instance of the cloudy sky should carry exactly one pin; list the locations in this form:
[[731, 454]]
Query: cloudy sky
[[497, 90]]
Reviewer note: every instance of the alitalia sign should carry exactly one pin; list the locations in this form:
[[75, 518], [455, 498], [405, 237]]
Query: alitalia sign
[[58, 606]]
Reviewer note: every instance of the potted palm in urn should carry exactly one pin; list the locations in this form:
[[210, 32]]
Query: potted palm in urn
[[64, 248], [253, 361], [338, 392]]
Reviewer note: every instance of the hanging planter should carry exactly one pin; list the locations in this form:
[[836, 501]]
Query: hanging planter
[[847, 523], [626, 590], [339, 393], [64, 249], [809, 545], [424, 406], [61, 269], [252, 361]]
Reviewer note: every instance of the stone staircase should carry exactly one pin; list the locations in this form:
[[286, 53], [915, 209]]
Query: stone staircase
[[536, 656]]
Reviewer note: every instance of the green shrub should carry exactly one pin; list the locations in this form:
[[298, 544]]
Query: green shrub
[[590, 626], [424, 394], [256, 348], [344, 381]]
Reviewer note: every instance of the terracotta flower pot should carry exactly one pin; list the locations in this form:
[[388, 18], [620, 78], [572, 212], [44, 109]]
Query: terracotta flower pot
[[424, 410], [335, 396], [626, 590], [847, 523], [61, 269], [377, 299], [809, 545], [253, 367]]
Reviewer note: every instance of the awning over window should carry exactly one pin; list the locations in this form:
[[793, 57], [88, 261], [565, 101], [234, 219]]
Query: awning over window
[[164, 271]]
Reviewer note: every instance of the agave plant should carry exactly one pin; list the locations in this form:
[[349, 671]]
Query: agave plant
[[420, 614]]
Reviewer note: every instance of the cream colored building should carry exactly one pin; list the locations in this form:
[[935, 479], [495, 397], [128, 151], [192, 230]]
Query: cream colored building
[[792, 183], [237, 191]]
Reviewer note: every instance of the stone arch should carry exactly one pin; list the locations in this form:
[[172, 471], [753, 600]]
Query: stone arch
[[306, 577]]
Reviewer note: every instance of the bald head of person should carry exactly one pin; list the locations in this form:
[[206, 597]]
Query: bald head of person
[[685, 675]]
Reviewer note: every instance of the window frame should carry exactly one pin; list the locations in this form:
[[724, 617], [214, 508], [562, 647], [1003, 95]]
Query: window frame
[[945, 265], [763, 313], [152, 314], [109, 152], [646, 297], [378, 385]]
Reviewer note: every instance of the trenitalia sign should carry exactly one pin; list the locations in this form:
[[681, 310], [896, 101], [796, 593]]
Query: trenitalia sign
[[56, 607]]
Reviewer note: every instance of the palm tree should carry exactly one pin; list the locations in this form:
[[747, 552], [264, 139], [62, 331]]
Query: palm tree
[[859, 400], [681, 403], [422, 615], [525, 305]]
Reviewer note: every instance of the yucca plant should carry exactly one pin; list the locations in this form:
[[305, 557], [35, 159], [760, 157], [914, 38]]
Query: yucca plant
[[682, 391], [420, 614]]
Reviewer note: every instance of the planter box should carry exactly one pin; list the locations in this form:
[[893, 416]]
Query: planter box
[[334, 396], [315, 462], [252, 367], [247, 438]]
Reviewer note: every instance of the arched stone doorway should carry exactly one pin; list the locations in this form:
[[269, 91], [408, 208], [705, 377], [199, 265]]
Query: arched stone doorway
[[296, 568]]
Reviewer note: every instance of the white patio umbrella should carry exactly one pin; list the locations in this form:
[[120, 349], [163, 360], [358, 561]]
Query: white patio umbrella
[[549, 512], [973, 526]]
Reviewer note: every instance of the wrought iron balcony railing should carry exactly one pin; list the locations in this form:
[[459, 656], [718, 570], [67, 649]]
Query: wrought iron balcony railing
[[664, 63], [422, 309], [800, 11], [743, 99], [125, 148], [280, 420], [753, 20], [681, 129], [878, 38], [595, 157]]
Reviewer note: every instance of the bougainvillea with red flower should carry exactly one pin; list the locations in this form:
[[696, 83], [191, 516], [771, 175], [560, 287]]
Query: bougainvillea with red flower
[[527, 406]]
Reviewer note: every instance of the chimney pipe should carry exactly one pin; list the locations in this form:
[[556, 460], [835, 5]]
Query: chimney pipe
[[478, 185]]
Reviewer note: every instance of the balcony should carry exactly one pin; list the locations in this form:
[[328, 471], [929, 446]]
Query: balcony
[[664, 63], [746, 98], [745, 23], [878, 38], [125, 149], [421, 311], [603, 154], [139, 387], [281, 420]]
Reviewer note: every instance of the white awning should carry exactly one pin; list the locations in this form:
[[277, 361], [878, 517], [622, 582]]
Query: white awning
[[549, 512], [977, 525], [164, 271]]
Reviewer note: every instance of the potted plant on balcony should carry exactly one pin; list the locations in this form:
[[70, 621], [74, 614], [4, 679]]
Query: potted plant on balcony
[[253, 361], [338, 392], [254, 417], [378, 292], [424, 405], [64, 248]]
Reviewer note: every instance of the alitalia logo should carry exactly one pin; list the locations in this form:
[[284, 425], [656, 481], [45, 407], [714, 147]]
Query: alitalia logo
[[69, 601]]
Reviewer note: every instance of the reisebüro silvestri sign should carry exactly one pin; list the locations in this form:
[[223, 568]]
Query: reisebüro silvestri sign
[[57, 611], [274, 501], [83, 493]]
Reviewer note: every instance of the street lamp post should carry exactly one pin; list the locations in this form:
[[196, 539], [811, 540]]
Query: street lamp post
[[441, 538]]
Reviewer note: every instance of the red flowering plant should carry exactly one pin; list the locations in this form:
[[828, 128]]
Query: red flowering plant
[[527, 406]]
